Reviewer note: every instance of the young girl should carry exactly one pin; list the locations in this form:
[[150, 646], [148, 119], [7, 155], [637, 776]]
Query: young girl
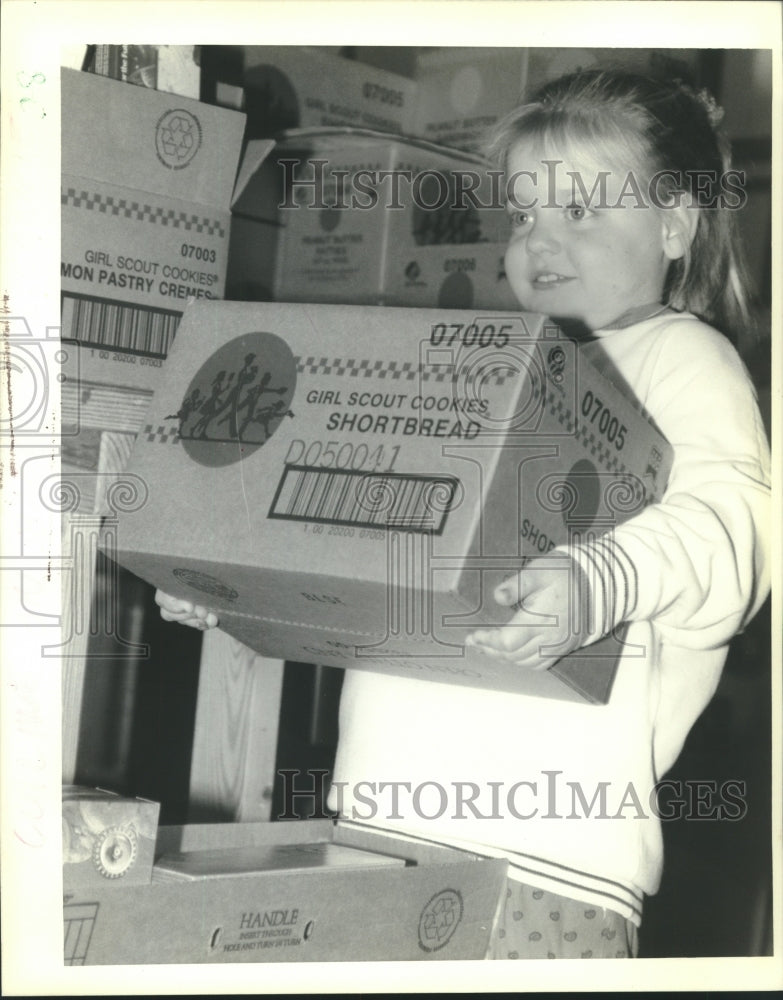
[[620, 205]]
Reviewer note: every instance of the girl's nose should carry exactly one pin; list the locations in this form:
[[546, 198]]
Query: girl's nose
[[542, 239]]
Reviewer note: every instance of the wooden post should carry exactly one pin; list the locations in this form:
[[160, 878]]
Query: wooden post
[[235, 737]]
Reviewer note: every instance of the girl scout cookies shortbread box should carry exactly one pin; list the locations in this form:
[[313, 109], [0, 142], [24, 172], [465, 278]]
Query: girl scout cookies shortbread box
[[347, 485]]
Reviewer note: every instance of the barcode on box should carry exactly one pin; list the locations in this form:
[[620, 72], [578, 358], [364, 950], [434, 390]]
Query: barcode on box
[[364, 499], [118, 326]]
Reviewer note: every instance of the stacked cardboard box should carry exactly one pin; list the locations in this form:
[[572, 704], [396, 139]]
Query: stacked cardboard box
[[147, 179]]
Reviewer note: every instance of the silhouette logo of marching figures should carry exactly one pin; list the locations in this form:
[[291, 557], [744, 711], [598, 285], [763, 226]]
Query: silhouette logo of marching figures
[[237, 399]]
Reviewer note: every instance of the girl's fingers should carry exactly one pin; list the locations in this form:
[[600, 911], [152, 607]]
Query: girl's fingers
[[508, 639], [172, 604], [190, 620], [522, 650], [209, 618], [526, 654], [174, 609], [175, 616]]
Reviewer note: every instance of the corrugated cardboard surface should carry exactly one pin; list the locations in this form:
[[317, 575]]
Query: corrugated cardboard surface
[[442, 907], [389, 482]]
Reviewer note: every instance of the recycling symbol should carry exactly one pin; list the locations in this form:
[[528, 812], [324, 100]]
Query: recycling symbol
[[177, 138], [439, 919]]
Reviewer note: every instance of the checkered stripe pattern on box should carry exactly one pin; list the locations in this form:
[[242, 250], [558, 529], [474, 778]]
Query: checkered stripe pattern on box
[[163, 435], [404, 371], [141, 212], [593, 444]]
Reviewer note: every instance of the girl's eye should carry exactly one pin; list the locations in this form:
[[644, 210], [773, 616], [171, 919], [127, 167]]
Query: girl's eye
[[578, 213], [519, 219]]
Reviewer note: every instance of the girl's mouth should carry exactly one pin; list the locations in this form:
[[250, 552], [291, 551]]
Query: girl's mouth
[[549, 279]]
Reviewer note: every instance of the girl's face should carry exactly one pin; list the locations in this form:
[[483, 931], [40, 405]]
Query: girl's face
[[576, 256]]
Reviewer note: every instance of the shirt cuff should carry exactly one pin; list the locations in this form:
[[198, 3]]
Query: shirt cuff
[[612, 582]]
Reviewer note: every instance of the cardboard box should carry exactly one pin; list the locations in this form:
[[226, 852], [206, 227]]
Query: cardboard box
[[289, 86], [347, 485], [353, 209], [468, 276], [147, 180], [463, 92], [442, 905], [108, 839]]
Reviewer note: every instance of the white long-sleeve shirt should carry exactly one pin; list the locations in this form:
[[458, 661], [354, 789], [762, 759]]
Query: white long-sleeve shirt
[[566, 791]]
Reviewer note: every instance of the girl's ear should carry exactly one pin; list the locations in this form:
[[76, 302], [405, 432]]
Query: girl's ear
[[679, 228]]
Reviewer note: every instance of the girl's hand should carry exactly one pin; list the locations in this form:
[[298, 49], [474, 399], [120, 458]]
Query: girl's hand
[[173, 609], [552, 600]]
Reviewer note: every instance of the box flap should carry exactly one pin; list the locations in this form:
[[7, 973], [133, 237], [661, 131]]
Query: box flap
[[149, 141], [255, 154]]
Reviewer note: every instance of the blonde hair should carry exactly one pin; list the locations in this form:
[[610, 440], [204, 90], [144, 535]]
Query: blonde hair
[[658, 128]]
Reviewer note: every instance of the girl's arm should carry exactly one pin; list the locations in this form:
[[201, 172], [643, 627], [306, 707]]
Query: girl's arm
[[697, 563]]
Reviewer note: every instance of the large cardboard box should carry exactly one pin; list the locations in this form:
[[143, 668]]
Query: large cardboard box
[[347, 485], [357, 214], [463, 92], [441, 904], [147, 179], [289, 86]]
